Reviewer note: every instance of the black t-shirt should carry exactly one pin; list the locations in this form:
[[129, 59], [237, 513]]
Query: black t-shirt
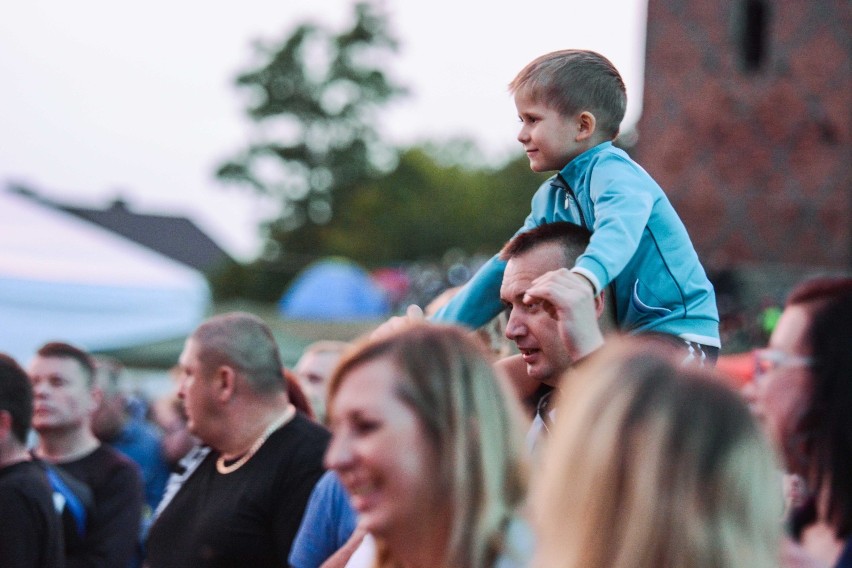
[[30, 529], [112, 530], [248, 517]]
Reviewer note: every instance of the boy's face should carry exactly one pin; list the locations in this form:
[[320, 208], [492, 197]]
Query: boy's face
[[550, 138]]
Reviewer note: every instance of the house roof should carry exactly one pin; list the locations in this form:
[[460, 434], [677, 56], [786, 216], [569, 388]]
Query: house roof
[[175, 237], [63, 278]]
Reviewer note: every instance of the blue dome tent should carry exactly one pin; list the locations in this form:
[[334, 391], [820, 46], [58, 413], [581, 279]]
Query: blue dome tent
[[334, 289]]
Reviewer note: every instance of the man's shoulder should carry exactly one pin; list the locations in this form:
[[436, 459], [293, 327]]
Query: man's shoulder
[[103, 465], [23, 478], [107, 456], [309, 428], [301, 444]]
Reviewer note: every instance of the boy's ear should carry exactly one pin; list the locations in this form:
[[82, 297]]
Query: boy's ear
[[586, 124]]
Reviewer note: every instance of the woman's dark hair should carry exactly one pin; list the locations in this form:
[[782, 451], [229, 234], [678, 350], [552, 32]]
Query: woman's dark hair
[[830, 413]]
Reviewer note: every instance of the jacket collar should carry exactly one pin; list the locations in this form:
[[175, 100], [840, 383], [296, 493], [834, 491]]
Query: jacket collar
[[578, 166]]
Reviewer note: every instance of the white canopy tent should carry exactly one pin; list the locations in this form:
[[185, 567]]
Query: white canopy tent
[[63, 278]]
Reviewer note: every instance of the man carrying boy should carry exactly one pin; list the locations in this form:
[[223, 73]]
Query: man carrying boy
[[571, 104]]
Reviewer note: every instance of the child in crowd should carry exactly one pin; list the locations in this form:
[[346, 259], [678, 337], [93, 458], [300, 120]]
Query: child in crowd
[[571, 104]]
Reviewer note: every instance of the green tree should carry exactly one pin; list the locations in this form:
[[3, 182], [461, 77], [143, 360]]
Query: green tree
[[424, 208], [314, 99]]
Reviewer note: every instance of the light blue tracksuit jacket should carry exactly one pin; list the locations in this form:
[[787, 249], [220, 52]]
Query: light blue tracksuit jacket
[[639, 247]]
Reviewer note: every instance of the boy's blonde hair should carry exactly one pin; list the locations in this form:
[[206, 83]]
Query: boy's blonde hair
[[653, 464], [575, 80]]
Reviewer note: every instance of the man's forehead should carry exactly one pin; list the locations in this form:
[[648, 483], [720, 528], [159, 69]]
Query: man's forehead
[[521, 270], [66, 367], [515, 283], [189, 352]]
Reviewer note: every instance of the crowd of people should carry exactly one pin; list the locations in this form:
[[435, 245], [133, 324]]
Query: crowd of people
[[605, 437]]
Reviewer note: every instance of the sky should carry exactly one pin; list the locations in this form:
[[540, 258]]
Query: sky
[[105, 99]]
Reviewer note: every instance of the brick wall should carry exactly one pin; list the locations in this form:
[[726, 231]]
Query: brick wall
[[746, 125]]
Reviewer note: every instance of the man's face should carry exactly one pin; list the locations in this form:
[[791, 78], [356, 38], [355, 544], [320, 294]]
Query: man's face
[[534, 331], [63, 399], [196, 391]]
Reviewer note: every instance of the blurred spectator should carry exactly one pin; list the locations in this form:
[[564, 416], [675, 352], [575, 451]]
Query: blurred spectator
[[114, 424], [297, 395], [63, 379], [30, 530], [175, 441], [243, 504], [313, 370], [328, 526], [654, 464], [802, 394]]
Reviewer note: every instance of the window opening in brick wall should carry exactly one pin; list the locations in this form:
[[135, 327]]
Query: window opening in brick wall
[[753, 37]]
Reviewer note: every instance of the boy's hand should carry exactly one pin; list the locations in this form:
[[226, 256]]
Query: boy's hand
[[569, 299]]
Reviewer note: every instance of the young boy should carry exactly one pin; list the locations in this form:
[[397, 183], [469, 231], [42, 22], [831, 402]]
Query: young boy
[[571, 104]]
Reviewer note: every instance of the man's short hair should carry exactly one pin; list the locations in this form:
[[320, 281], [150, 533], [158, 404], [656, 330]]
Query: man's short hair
[[576, 80], [16, 396], [62, 350], [242, 341], [573, 238]]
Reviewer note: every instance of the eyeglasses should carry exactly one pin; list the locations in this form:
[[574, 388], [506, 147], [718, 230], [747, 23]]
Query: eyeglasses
[[767, 360]]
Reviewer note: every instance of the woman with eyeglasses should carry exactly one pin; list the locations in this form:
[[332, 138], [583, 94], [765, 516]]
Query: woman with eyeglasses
[[802, 395]]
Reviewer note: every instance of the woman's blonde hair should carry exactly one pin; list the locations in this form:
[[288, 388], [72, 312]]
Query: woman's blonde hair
[[446, 378], [653, 464]]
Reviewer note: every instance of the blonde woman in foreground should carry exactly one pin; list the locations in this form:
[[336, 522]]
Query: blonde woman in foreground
[[428, 446], [654, 465]]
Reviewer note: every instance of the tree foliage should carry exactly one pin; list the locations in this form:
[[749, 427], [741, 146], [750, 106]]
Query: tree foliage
[[341, 191], [417, 212], [422, 209], [314, 98]]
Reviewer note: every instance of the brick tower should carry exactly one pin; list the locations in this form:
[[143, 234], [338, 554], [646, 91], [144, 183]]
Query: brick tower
[[746, 125]]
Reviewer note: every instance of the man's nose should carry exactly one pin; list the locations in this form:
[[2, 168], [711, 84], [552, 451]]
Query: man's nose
[[39, 388], [514, 327]]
